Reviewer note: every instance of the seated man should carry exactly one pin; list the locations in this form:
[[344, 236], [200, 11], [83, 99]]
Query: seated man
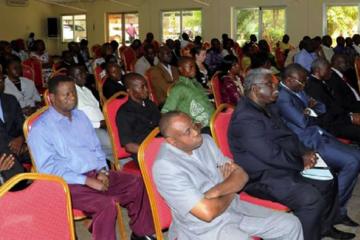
[[12, 146], [299, 113], [138, 116], [22, 88], [163, 75], [200, 185], [344, 93], [64, 143], [113, 83], [336, 120], [274, 158], [91, 107], [147, 61], [188, 96]]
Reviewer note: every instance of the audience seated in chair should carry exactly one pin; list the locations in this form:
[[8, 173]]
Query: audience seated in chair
[[64, 143], [87, 103], [344, 93], [149, 40], [113, 83], [213, 56], [231, 85], [200, 186], [274, 158], [326, 47], [147, 61], [20, 87], [306, 55], [336, 120], [188, 96], [202, 70], [138, 116], [39, 52], [299, 113], [163, 75]]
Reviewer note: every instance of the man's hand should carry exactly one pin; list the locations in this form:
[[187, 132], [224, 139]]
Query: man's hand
[[6, 161], [309, 159], [356, 118], [103, 124], [103, 178], [226, 169], [95, 184], [312, 103], [16, 144]]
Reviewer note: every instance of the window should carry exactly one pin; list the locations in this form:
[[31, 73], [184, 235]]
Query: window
[[174, 23], [265, 23], [123, 27], [342, 21], [73, 27]]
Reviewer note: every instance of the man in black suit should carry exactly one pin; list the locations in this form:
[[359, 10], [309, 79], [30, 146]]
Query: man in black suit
[[274, 158], [336, 120], [345, 94], [11, 136]]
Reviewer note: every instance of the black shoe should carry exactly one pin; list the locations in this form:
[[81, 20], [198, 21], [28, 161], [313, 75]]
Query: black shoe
[[347, 221], [336, 234], [135, 237]]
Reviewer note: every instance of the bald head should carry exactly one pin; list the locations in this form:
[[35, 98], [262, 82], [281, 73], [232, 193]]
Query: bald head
[[166, 122]]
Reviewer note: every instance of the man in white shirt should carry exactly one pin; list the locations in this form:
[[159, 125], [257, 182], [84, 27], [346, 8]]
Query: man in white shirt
[[91, 107], [147, 61], [326, 47], [20, 87]]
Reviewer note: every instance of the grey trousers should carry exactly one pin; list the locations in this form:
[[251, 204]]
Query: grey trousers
[[105, 142]]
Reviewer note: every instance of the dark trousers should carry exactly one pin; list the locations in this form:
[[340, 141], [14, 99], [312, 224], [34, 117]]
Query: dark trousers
[[349, 131], [345, 161], [314, 202], [126, 189]]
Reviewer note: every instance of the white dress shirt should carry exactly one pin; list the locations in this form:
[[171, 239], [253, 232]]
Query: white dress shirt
[[142, 65], [89, 105], [352, 89], [28, 94]]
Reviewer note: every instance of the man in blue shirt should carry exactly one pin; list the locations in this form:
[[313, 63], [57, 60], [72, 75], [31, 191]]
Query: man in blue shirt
[[64, 143], [307, 55]]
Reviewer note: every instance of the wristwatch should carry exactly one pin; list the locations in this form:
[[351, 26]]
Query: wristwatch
[[104, 171]]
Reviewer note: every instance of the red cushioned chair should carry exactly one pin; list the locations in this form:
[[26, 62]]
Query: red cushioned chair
[[128, 55], [161, 212], [36, 66], [40, 211], [110, 108], [78, 214], [27, 72], [215, 87], [219, 125], [47, 98], [99, 82], [152, 94]]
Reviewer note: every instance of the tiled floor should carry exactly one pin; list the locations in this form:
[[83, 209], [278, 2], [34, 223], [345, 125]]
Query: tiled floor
[[353, 209]]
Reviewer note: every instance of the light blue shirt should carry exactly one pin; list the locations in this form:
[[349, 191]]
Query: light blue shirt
[[305, 59], [65, 148]]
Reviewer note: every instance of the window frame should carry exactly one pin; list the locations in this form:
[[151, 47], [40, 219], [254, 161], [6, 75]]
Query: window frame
[[181, 10], [107, 37], [260, 8], [341, 4], [73, 19]]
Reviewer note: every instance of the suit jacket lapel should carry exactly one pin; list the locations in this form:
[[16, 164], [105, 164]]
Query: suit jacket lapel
[[165, 73]]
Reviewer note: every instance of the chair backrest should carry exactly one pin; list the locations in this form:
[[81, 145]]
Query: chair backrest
[[28, 72], [40, 211], [219, 125], [47, 98], [146, 156], [357, 70], [27, 127], [110, 108], [59, 72], [36, 66], [150, 86], [215, 87], [128, 55]]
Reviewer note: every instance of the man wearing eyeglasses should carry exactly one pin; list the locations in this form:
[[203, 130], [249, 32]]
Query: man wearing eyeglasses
[[302, 115], [274, 159]]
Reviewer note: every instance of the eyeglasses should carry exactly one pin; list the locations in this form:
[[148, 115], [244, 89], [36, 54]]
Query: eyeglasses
[[268, 84]]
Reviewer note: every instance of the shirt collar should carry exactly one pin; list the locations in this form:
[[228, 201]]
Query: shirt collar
[[58, 116], [258, 107], [338, 72]]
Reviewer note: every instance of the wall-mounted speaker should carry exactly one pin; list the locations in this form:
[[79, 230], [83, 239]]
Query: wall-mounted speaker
[[52, 26]]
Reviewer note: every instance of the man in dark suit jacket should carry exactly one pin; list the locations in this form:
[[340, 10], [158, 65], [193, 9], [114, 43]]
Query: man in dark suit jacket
[[345, 94], [299, 112], [273, 157], [336, 119], [11, 135], [163, 75]]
